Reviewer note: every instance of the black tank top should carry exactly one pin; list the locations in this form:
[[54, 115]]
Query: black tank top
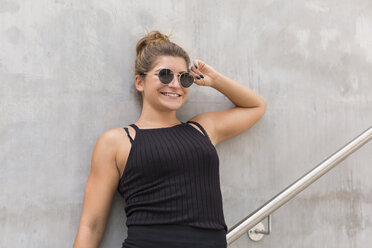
[[172, 177]]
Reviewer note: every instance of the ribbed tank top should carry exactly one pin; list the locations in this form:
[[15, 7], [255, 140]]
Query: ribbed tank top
[[172, 177]]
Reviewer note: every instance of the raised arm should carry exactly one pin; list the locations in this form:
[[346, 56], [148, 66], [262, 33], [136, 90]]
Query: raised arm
[[225, 124], [99, 191]]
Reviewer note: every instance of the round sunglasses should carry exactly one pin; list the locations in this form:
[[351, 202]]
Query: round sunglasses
[[166, 76]]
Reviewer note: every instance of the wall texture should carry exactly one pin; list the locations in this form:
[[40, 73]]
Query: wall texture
[[66, 77]]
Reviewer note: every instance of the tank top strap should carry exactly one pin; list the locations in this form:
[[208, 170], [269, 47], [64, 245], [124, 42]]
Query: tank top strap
[[200, 126], [130, 138], [135, 127]]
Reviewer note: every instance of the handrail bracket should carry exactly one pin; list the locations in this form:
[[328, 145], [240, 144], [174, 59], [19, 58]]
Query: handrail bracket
[[258, 231]]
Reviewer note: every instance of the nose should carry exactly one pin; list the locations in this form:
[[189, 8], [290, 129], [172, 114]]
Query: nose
[[175, 82]]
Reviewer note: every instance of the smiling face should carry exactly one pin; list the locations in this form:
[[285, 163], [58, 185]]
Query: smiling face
[[154, 91]]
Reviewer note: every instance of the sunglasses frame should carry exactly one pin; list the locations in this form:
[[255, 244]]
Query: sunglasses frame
[[178, 76]]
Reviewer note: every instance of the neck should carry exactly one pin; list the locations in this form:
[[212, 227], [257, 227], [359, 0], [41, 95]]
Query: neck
[[154, 117]]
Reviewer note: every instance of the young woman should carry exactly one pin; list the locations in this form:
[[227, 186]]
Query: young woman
[[166, 170]]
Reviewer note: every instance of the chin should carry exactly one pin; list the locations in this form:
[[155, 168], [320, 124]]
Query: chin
[[173, 107]]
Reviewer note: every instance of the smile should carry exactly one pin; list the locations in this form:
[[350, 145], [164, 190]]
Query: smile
[[170, 94]]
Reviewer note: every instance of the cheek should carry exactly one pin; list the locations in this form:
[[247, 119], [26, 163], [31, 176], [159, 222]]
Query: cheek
[[186, 92]]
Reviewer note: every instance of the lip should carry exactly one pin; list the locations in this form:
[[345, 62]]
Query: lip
[[171, 93]]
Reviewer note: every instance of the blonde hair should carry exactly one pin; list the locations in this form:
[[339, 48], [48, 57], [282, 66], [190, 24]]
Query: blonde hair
[[151, 47]]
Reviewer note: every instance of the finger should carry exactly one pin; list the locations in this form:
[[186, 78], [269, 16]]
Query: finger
[[197, 63], [195, 71], [196, 75], [195, 68]]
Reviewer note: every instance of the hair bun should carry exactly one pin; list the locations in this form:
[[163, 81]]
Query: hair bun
[[152, 37]]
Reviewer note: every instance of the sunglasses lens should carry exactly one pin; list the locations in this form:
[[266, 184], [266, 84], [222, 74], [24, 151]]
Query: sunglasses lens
[[165, 76], [186, 80]]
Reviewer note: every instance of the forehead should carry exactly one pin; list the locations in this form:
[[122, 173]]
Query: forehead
[[176, 64]]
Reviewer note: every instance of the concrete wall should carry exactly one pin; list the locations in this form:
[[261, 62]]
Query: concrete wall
[[66, 77]]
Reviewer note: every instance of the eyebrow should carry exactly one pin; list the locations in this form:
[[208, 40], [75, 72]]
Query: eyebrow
[[168, 68]]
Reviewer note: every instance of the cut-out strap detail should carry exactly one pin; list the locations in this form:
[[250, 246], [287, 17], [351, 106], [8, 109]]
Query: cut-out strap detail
[[134, 126], [126, 130], [200, 126]]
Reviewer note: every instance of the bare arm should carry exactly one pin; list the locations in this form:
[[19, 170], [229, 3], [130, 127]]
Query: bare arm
[[99, 192], [225, 124]]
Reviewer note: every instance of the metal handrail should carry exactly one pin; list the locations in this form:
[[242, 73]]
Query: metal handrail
[[291, 191]]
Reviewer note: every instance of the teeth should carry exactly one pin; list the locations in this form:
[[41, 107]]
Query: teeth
[[170, 94]]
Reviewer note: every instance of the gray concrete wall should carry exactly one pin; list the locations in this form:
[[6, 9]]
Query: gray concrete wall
[[66, 77]]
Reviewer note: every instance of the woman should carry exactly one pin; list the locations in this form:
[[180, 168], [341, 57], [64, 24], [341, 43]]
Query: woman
[[166, 170]]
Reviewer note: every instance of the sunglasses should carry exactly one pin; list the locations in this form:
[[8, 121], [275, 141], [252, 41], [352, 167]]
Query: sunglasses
[[166, 76]]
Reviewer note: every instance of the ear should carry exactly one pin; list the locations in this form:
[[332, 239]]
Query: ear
[[140, 83]]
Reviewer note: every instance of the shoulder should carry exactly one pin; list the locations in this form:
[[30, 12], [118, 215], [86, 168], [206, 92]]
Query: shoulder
[[111, 144], [111, 138], [106, 146], [117, 145], [208, 125]]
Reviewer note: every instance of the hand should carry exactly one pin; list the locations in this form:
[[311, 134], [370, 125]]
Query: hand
[[204, 72]]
